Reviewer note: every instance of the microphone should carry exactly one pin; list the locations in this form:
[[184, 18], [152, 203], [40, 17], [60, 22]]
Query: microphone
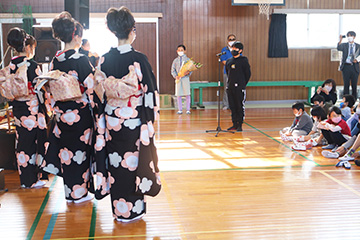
[[220, 54]]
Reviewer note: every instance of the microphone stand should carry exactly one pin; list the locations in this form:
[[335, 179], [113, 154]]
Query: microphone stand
[[218, 128]]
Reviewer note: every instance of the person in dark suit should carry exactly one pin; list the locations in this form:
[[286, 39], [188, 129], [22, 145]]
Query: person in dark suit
[[350, 62]]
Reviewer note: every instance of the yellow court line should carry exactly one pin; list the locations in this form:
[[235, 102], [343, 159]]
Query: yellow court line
[[340, 183]]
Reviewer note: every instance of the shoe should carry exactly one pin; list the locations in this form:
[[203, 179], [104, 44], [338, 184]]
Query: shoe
[[225, 108], [88, 197], [329, 154], [130, 220], [347, 165], [285, 138], [301, 147], [299, 139], [179, 112], [39, 184], [69, 201], [340, 164], [188, 112], [329, 146], [232, 128], [346, 157], [312, 142], [239, 129], [357, 162]]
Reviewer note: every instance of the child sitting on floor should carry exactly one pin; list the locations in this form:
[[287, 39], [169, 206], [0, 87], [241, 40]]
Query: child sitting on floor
[[347, 103], [307, 142], [353, 122], [319, 100], [334, 130], [301, 126]]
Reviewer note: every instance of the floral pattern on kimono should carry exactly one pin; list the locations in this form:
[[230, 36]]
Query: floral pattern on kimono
[[120, 131]]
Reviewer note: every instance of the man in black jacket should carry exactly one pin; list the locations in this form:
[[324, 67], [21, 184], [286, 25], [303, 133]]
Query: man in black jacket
[[238, 71], [349, 63]]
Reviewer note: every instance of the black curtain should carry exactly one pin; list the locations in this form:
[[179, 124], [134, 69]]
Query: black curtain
[[277, 37]]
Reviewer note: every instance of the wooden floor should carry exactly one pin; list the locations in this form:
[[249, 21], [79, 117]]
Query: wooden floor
[[247, 185]]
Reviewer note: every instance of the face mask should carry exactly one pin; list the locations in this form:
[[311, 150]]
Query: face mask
[[336, 119], [180, 53], [350, 39], [231, 43], [342, 105], [234, 53], [298, 114], [358, 111], [328, 88]]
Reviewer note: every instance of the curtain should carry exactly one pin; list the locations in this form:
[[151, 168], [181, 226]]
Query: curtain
[[277, 37]]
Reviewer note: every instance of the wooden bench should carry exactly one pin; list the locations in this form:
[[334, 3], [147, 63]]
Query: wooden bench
[[203, 84]]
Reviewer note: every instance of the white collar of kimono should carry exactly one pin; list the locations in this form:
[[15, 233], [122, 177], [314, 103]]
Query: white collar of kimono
[[124, 48]]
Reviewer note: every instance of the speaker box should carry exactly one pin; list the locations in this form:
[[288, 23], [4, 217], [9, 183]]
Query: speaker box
[[47, 46], [79, 9], [7, 150]]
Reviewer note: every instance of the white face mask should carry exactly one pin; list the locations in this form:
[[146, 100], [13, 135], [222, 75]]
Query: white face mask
[[350, 39], [133, 39], [180, 53], [298, 114], [328, 88], [231, 43]]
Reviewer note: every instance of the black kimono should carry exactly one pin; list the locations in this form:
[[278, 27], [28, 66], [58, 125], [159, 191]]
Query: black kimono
[[126, 156], [30, 127], [69, 148]]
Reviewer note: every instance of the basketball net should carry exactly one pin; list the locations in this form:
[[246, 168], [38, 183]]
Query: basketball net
[[264, 7]]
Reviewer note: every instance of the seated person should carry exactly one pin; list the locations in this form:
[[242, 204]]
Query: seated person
[[353, 122], [328, 91], [334, 129], [301, 125], [347, 103], [310, 140], [319, 100]]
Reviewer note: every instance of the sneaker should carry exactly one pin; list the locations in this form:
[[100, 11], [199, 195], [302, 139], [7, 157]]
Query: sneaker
[[301, 147], [340, 164], [239, 128], [188, 112], [312, 142], [232, 128], [329, 154], [357, 162], [285, 138], [179, 112], [88, 197], [130, 220], [225, 108], [299, 139], [39, 184], [329, 146], [347, 165], [346, 157]]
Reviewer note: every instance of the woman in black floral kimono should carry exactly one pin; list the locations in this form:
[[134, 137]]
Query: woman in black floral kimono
[[125, 126], [69, 147], [29, 120]]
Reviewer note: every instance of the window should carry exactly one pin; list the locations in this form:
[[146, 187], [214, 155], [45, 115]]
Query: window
[[312, 30]]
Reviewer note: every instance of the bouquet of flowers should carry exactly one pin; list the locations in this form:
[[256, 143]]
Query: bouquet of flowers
[[190, 65]]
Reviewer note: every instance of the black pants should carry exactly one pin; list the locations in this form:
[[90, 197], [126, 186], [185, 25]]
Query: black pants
[[350, 75], [333, 137], [237, 97]]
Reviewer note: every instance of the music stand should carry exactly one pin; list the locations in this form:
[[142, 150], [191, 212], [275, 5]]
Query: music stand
[[218, 128]]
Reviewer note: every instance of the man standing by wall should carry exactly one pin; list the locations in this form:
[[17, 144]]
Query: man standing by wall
[[349, 63], [230, 40]]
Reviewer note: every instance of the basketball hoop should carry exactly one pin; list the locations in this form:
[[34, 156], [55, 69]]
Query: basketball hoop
[[264, 7]]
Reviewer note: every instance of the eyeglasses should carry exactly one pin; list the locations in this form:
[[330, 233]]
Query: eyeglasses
[[232, 39]]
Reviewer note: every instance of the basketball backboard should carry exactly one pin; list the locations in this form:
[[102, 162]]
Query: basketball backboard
[[256, 2]]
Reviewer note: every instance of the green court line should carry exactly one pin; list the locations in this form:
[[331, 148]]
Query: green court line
[[93, 220], [282, 144], [41, 210]]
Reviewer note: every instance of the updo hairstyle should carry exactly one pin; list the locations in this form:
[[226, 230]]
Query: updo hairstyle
[[15, 38], [30, 40], [65, 27], [120, 22]]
